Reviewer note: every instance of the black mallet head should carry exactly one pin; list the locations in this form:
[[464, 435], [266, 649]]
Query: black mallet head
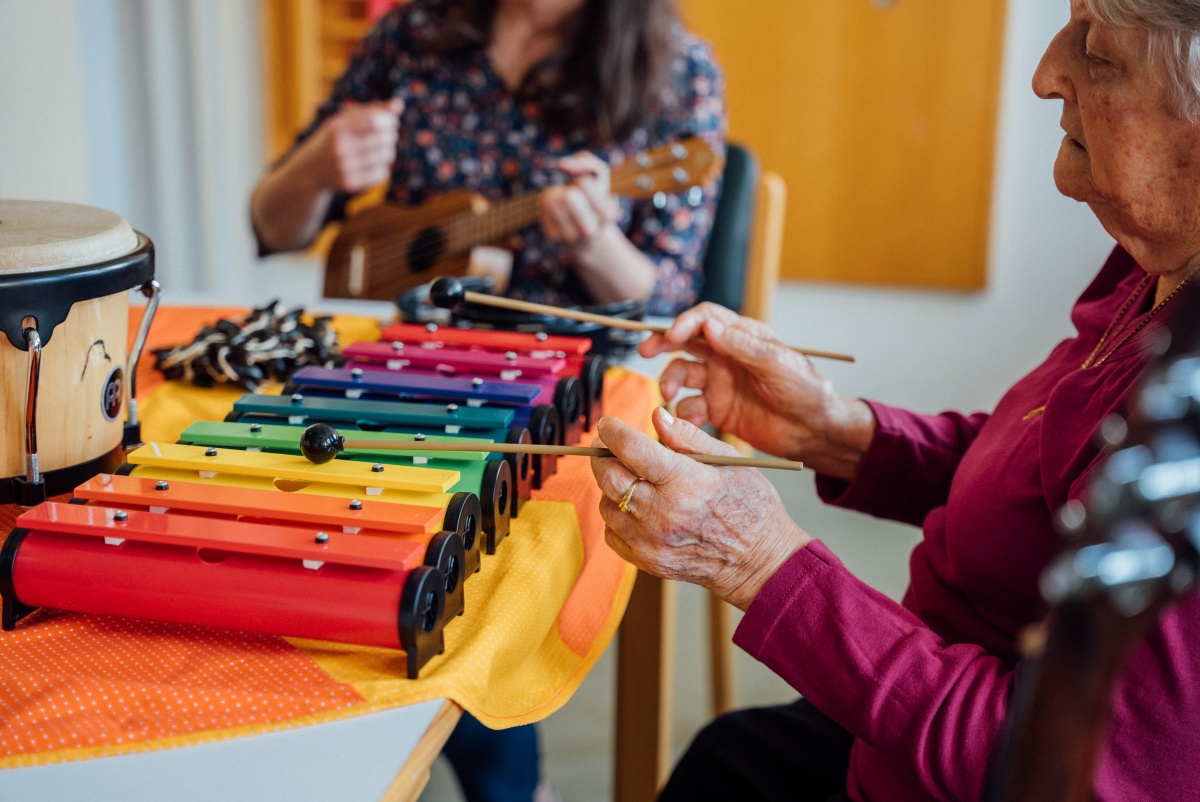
[[321, 443], [447, 292]]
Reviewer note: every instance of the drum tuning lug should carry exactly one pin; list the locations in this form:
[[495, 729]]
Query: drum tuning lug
[[377, 467], [210, 452], [356, 505], [161, 486], [321, 537]]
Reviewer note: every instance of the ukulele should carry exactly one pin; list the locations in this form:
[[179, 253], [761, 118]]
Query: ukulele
[[389, 249]]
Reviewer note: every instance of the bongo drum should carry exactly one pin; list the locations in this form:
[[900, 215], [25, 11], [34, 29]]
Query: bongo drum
[[66, 381]]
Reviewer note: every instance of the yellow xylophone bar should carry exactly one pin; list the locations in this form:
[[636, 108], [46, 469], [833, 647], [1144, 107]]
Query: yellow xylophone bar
[[207, 462]]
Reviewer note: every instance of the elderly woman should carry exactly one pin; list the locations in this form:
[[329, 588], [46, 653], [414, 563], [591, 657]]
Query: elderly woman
[[907, 701]]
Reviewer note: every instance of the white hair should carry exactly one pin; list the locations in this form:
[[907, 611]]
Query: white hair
[[1174, 27]]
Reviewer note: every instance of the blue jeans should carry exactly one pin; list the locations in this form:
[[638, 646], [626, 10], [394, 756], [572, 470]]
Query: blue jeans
[[494, 765]]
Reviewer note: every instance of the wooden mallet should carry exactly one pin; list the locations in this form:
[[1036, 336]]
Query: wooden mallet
[[320, 443], [447, 292]]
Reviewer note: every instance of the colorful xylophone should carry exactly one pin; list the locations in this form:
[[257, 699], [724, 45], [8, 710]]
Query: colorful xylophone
[[573, 351], [231, 527]]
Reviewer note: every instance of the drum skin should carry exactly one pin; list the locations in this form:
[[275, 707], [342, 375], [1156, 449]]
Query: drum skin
[[83, 382]]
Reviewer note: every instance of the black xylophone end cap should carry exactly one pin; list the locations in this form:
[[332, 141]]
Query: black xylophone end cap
[[447, 292], [320, 443]]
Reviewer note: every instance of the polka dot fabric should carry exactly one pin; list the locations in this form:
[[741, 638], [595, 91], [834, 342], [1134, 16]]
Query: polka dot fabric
[[71, 683], [538, 616]]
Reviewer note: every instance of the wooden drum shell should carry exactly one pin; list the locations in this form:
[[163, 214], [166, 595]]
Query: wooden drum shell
[[77, 366]]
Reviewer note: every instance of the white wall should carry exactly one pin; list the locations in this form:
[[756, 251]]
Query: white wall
[[42, 139], [933, 350]]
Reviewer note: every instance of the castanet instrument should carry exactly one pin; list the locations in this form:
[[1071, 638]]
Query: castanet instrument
[[176, 552], [65, 275], [382, 251]]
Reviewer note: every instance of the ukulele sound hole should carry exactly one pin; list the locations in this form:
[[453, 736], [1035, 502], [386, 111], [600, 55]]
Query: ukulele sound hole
[[425, 249]]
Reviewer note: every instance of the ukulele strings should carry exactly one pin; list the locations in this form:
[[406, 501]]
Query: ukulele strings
[[508, 216], [464, 231]]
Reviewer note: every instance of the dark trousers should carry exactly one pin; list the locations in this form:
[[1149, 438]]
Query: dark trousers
[[494, 765], [793, 753]]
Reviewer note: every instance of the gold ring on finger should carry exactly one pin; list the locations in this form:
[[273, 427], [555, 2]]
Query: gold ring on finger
[[623, 504]]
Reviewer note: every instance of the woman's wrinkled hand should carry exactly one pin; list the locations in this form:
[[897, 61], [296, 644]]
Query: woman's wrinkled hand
[[354, 149], [723, 528], [754, 386]]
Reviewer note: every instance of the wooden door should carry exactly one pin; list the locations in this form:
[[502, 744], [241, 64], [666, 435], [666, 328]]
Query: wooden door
[[881, 116], [306, 45]]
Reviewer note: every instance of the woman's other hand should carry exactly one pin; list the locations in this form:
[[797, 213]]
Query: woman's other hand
[[724, 529], [354, 149], [755, 387], [583, 216], [349, 152], [577, 213]]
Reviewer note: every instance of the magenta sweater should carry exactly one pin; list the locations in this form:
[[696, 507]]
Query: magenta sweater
[[924, 686]]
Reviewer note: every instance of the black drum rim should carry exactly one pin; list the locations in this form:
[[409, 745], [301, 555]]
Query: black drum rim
[[48, 295]]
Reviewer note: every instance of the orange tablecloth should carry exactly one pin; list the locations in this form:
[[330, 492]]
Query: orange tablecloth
[[538, 616]]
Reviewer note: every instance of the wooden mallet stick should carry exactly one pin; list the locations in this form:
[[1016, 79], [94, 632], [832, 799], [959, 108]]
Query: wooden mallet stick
[[447, 292], [320, 443]]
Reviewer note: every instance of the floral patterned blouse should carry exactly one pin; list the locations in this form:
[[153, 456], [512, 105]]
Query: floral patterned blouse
[[462, 128]]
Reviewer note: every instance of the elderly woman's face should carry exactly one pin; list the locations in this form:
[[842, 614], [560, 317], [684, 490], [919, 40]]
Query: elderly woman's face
[[1126, 153]]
